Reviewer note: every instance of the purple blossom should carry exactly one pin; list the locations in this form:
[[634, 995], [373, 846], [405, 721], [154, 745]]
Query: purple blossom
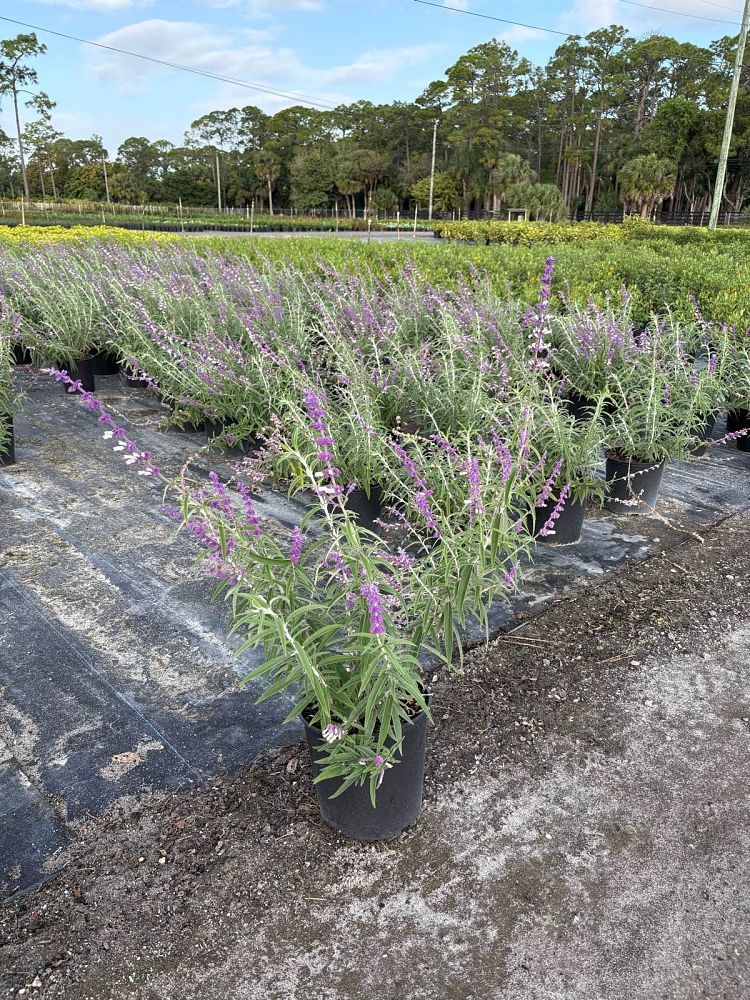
[[371, 594], [251, 515], [476, 507], [504, 457], [543, 497], [548, 527], [296, 548]]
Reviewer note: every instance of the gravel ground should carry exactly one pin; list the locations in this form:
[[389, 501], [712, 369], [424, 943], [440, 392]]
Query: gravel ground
[[585, 834]]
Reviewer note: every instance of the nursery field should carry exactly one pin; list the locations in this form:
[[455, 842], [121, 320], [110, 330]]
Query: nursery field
[[378, 458]]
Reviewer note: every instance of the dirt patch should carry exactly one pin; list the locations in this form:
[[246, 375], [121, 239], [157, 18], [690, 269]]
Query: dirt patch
[[632, 687]]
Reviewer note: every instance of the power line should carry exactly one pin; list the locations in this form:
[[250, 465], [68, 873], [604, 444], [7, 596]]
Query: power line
[[679, 13], [490, 17], [288, 95], [567, 34], [721, 6]]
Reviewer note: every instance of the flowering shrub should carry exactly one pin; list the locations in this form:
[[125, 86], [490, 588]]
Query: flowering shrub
[[475, 415], [567, 448], [9, 398], [345, 619]]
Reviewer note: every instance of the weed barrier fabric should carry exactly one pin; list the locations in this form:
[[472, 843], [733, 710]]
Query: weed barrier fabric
[[122, 678]]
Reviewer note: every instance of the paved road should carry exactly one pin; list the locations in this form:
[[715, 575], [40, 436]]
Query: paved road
[[406, 236]]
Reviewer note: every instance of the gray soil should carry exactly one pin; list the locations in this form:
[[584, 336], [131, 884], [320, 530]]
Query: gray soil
[[585, 834]]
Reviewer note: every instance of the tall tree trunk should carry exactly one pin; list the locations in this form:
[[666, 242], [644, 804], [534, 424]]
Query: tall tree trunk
[[21, 154], [640, 113], [539, 144], [558, 172], [594, 164], [41, 178], [270, 197]]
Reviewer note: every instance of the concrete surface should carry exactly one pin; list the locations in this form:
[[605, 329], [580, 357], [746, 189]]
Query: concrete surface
[[618, 875]]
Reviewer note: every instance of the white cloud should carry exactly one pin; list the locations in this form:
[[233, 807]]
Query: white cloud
[[456, 4], [518, 34], [246, 55], [381, 64]]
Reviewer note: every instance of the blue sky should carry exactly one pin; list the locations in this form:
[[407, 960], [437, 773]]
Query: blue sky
[[332, 50]]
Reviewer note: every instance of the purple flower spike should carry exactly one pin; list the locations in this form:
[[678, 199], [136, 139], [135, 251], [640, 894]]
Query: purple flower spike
[[371, 594], [250, 513], [548, 526], [296, 550]]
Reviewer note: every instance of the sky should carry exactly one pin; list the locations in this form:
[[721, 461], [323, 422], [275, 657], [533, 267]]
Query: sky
[[331, 51]]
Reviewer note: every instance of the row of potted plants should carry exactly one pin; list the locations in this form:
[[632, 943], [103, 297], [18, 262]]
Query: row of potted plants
[[476, 424], [8, 395]]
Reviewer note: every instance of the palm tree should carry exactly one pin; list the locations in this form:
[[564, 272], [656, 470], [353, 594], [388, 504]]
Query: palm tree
[[646, 181], [268, 168], [506, 169]]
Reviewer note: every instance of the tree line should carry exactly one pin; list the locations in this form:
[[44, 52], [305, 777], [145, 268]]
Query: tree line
[[610, 123]]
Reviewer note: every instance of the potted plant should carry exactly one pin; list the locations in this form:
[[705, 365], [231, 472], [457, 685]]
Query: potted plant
[[348, 625], [655, 419], [588, 345], [734, 368], [355, 446], [7, 392], [567, 449]]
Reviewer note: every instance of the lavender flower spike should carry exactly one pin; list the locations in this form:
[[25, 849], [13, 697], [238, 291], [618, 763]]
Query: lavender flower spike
[[548, 527], [371, 594]]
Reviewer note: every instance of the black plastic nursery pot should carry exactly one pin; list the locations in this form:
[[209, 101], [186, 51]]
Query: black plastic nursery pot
[[366, 509], [566, 530], [21, 355], [703, 438], [105, 363], [632, 487], [398, 802], [213, 428], [739, 420], [8, 451], [581, 407], [84, 370]]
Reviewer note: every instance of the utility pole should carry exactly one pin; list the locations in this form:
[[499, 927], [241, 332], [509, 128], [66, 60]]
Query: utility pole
[[106, 178], [729, 125], [218, 177], [432, 168]]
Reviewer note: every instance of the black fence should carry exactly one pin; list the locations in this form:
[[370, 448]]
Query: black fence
[[670, 218]]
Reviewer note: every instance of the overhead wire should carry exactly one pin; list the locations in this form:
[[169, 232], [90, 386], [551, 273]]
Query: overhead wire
[[678, 13], [259, 87], [491, 17], [567, 34]]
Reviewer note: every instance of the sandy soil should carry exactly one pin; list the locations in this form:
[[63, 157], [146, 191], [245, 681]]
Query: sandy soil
[[585, 834]]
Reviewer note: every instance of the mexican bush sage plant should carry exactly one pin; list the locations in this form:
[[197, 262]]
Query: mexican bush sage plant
[[346, 622]]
